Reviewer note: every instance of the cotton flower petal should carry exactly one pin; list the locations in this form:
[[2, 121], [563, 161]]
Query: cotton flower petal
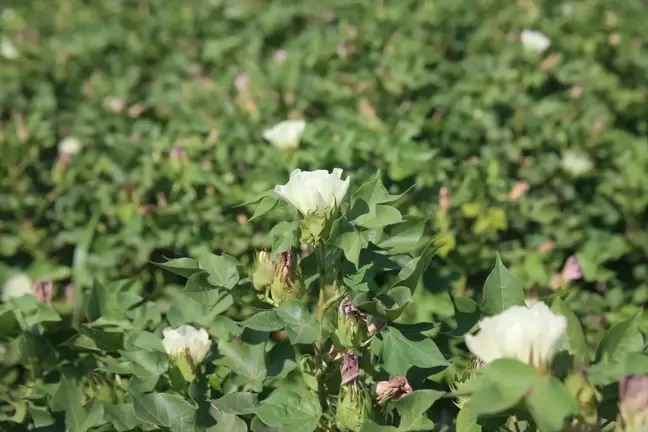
[[314, 191], [285, 135], [17, 286], [186, 337], [535, 40]]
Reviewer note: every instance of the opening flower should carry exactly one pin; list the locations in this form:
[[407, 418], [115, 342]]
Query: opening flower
[[184, 340], [314, 191], [17, 286], [535, 40], [531, 335], [285, 135]]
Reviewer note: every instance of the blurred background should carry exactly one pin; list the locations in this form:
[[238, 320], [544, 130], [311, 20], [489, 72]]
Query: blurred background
[[131, 131]]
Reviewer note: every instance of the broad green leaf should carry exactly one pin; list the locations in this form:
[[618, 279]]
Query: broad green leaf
[[404, 236], [181, 266], [41, 417], [199, 288], [387, 306], [78, 418], [143, 340], [550, 403], [412, 408], [575, 337], [267, 204], [246, 360], [98, 302], [105, 340], [399, 354], [346, 237], [374, 192], [222, 269], [501, 290], [150, 362], [301, 326], [284, 235], [380, 216], [227, 423], [412, 272], [467, 314], [622, 338], [237, 403], [267, 320], [466, 421], [122, 416], [164, 409], [290, 411]]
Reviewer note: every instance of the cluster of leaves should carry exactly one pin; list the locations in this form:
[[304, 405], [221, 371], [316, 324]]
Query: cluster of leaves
[[170, 100], [274, 368]]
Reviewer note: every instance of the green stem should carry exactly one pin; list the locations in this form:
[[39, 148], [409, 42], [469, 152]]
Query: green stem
[[320, 251]]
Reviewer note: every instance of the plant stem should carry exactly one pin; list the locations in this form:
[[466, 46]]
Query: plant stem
[[320, 252]]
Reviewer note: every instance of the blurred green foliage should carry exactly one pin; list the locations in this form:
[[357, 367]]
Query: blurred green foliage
[[539, 155]]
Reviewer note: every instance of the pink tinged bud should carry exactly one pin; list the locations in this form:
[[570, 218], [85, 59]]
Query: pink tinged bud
[[69, 295], [279, 56], [241, 81], [392, 389], [445, 197], [44, 291], [349, 369], [518, 190], [633, 405], [571, 270]]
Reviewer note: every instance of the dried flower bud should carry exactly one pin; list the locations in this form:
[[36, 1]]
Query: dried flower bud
[[392, 389], [354, 401], [633, 405], [287, 281], [264, 270], [349, 369], [351, 328], [44, 291]]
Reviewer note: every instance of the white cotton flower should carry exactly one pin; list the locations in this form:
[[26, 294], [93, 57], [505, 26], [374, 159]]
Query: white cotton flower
[[531, 335], [285, 135], [8, 50], [186, 338], [535, 40], [70, 145], [16, 286], [576, 163], [314, 191]]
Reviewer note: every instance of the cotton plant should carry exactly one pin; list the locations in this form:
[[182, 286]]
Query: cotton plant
[[316, 342]]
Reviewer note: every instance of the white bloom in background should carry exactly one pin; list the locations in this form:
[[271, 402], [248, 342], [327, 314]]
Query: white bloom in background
[[70, 145], [17, 286], [531, 335], [8, 49], [186, 339], [576, 163], [314, 191], [285, 135], [535, 40]]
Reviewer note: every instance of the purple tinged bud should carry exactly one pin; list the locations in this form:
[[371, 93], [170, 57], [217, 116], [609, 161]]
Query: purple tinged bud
[[349, 369], [633, 405], [572, 269]]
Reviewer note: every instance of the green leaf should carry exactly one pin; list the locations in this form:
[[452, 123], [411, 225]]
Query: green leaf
[[499, 386], [237, 403], [466, 421], [550, 403], [501, 290], [41, 417], [98, 303], [78, 418], [222, 269], [246, 360], [122, 416], [467, 314], [199, 288], [622, 338], [149, 363], [301, 327], [380, 216], [264, 321], [412, 408], [400, 353], [346, 237], [164, 409], [290, 411], [387, 306], [412, 272], [575, 336], [284, 235], [267, 204], [404, 236], [143, 340], [227, 423], [105, 340], [374, 192], [181, 266]]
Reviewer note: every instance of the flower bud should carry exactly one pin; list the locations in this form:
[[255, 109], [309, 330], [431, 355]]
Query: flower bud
[[633, 405], [287, 281], [354, 401], [392, 389], [263, 271], [351, 328]]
